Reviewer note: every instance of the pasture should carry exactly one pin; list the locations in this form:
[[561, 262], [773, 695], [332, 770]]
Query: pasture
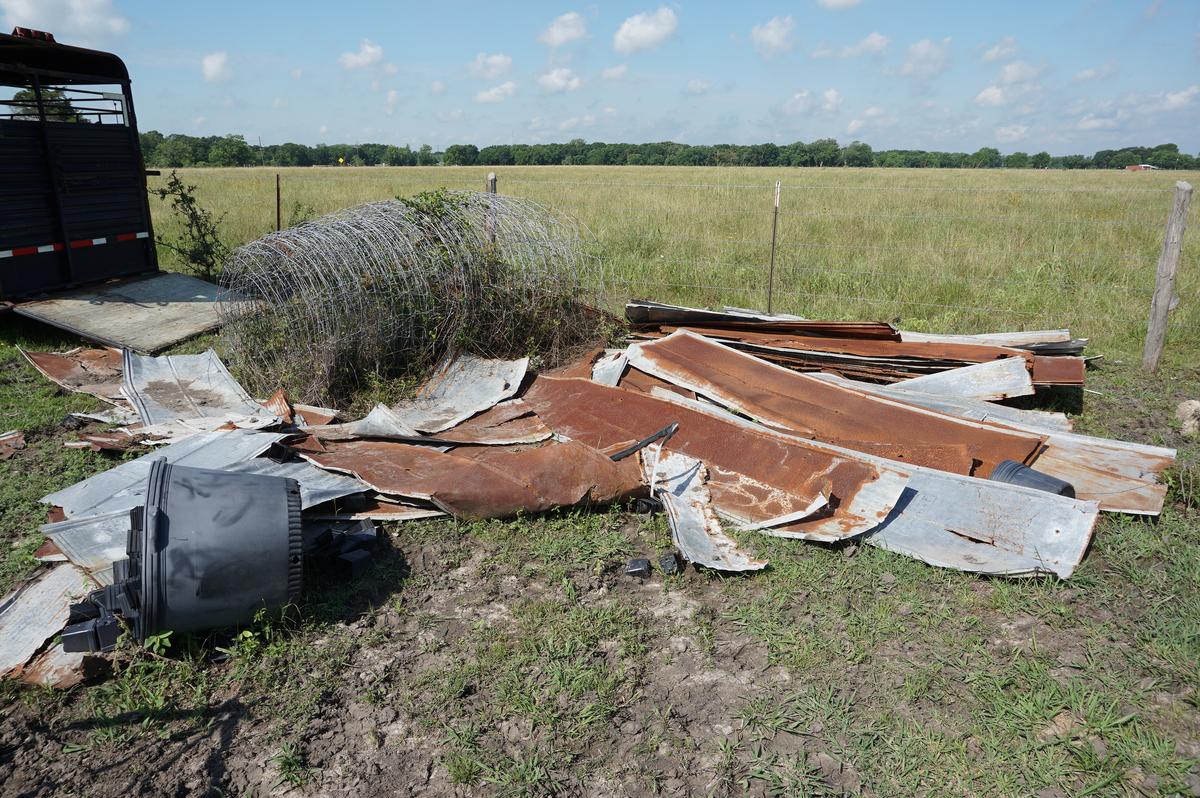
[[942, 250]]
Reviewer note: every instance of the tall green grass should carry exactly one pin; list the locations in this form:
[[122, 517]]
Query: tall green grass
[[941, 250]]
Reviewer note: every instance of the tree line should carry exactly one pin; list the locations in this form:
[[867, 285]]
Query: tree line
[[178, 150]]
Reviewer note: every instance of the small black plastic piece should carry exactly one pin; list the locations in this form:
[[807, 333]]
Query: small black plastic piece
[[665, 433], [353, 564], [647, 506], [1014, 473], [669, 563], [639, 566], [208, 549]]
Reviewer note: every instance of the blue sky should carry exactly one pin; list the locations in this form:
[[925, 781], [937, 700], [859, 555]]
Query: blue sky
[[1060, 75]]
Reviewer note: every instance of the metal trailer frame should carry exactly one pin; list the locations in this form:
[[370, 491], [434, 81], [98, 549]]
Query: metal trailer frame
[[80, 212]]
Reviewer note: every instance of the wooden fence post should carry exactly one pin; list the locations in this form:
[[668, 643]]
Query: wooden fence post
[[774, 229], [278, 212], [490, 188], [1164, 278]]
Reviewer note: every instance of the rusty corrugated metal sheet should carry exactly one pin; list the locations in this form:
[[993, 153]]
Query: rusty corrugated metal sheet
[[92, 371], [279, 406], [1048, 370], [651, 314], [486, 482], [508, 423], [881, 361], [753, 477], [831, 413]]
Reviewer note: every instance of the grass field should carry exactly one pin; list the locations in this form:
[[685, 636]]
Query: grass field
[[515, 658], [943, 250]]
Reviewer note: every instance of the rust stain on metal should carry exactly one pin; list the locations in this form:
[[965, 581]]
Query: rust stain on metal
[[92, 371], [1057, 370], [830, 413], [279, 406], [640, 381], [753, 476], [486, 482], [511, 422], [653, 314]]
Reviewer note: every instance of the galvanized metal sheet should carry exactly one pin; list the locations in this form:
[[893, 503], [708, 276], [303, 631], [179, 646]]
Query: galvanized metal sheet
[[819, 410], [1014, 339], [171, 387], [145, 315], [609, 368], [92, 371], [317, 485], [372, 508], [1036, 420], [966, 523], [92, 543], [485, 482], [752, 476], [381, 422], [991, 381], [1122, 476], [679, 482], [462, 387], [35, 612], [122, 487]]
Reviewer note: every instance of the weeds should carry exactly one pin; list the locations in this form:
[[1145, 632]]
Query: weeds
[[294, 771], [199, 243]]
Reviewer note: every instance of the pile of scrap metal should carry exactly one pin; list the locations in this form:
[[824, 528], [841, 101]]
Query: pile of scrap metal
[[731, 421]]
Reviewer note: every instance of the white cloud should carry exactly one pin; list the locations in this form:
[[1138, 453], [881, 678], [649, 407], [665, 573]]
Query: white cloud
[[927, 58], [1093, 122], [490, 66], [323, 129], [71, 21], [198, 121], [450, 116], [215, 67], [823, 50], [614, 72], [391, 69], [1018, 72], [587, 120], [836, 4], [854, 126], [1000, 50], [831, 100], [559, 80], [798, 103], [279, 102], [1015, 80], [564, 29], [497, 94], [297, 73], [871, 44], [645, 31], [437, 87], [369, 53], [773, 36], [993, 96], [393, 97], [1173, 101], [873, 112], [697, 86], [1096, 73], [1011, 133]]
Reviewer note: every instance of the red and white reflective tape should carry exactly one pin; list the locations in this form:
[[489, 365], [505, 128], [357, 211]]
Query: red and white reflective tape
[[59, 247]]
